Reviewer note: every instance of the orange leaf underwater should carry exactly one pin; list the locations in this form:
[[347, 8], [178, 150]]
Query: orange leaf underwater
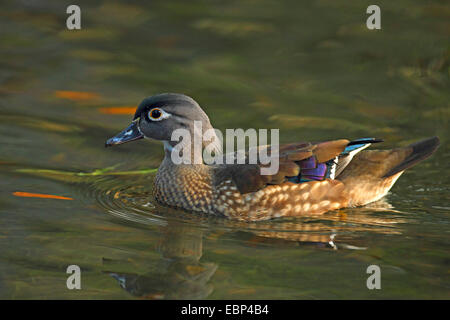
[[39, 195], [77, 95], [118, 110]]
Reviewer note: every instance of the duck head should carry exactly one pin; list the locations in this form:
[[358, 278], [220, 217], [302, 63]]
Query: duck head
[[158, 116]]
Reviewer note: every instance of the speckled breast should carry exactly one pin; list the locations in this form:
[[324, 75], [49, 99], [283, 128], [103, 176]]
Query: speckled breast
[[184, 188]]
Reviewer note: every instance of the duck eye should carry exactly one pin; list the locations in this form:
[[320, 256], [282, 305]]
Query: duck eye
[[155, 114]]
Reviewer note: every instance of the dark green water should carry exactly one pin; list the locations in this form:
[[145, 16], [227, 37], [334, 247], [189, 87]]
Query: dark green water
[[310, 68]]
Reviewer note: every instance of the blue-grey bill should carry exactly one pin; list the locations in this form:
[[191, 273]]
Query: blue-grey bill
[[129, 134]]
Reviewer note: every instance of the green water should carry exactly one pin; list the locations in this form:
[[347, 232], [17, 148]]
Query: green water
[[310, 68]]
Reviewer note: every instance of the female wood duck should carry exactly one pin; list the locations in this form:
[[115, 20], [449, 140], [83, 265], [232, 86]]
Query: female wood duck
[[313, 178]]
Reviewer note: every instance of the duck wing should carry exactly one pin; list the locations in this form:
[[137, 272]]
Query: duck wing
[[298, 162]]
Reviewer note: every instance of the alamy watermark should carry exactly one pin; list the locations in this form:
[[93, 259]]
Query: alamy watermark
[[374, 20], [74, 280], [200, 146], [73, 22], [374, 280]]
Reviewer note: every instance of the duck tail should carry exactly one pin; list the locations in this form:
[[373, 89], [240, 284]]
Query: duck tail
[[372, 173], [418, 151]]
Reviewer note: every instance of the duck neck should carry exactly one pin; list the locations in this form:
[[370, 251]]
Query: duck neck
[[181, 154], [190, 151]]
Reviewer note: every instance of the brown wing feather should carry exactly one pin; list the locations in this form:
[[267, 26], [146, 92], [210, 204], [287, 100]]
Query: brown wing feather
[[371, 173], [248, 177]]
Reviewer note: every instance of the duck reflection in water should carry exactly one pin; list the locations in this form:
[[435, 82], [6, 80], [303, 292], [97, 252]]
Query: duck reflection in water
[[338, 230], [183, 275]]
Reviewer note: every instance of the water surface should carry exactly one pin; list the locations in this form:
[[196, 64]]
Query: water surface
[[310, 68]]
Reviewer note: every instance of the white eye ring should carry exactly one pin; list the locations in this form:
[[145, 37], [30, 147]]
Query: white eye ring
[[164, 115]]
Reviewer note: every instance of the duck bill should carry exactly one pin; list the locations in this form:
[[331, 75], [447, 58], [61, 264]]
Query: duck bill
[[129, 134]]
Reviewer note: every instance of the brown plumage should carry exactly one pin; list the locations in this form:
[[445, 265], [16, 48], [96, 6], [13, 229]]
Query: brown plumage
[[372, 173], [352, 176]]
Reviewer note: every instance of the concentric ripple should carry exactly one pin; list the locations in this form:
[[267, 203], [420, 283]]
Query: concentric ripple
[[125, 197]]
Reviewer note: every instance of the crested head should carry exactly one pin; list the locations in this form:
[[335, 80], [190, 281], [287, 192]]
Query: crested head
[[158, 116]]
